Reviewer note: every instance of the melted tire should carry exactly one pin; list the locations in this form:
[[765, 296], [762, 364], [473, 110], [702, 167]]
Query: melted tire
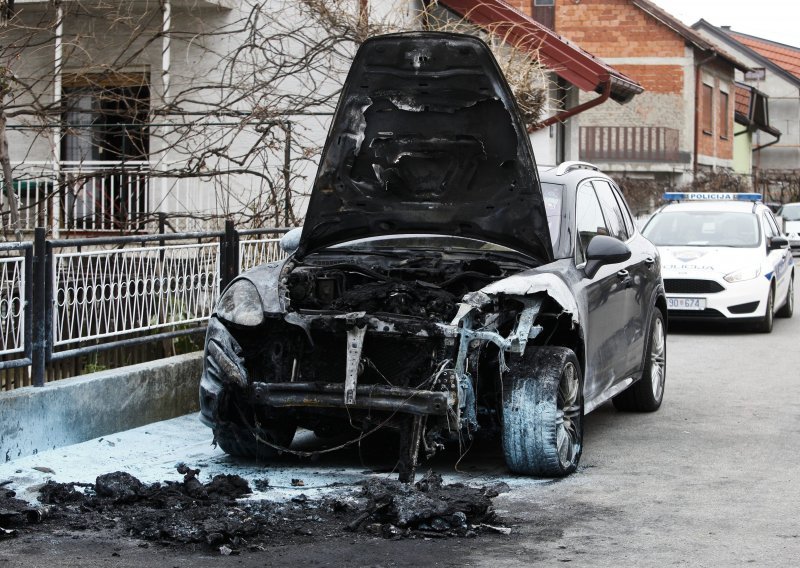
[[640, 397], [531, 412], [242, 442]]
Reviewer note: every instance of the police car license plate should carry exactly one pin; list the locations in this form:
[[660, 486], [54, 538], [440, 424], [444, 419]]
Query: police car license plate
[[686, 303]]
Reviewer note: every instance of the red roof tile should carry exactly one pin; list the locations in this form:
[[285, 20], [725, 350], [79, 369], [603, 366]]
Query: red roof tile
[[784, 56]]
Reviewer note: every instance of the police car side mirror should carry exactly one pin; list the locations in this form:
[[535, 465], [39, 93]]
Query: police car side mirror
[[604, 250], [777, 243]]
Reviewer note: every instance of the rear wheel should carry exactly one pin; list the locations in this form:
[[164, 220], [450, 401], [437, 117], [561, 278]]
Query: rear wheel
[[543, 412], [765, 324], [646, 394], [787, 309]]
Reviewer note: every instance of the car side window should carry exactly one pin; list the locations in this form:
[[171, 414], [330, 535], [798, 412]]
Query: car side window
[[773, 222], [626, 212], [589, 220], [769, 229], [611, 210]]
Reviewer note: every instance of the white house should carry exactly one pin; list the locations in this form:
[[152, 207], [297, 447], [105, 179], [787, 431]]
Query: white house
[[123, 115]]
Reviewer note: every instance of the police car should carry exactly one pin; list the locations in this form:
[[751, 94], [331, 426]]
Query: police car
[[790, 217], [723, 257]]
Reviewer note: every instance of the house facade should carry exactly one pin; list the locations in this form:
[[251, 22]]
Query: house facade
[[775, 73], [130, 116], [683, 123]]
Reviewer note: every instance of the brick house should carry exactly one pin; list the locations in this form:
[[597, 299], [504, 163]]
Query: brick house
[[684, 121], [775, 73]]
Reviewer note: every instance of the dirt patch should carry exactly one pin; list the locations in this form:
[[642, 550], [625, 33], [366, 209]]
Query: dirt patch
[[217, 515]]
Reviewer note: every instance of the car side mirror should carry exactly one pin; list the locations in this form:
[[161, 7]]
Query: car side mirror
[[777, 243], [291, 240], [604, 250]]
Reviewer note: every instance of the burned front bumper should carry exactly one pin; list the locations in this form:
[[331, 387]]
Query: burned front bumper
[[368, 397], [444, 389]]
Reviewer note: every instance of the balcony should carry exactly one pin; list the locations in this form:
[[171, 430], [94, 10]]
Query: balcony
[[630, 144], [130, 197]]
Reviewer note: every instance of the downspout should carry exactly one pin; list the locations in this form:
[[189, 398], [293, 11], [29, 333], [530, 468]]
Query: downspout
[[564, 115], [768, 144], [57, 95], [166, 40]]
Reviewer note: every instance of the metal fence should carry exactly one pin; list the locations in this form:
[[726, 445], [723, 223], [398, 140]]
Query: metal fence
[[64, 298]]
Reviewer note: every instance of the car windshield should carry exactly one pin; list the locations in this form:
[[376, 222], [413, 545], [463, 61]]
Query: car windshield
[[790, 212], [553, 195], [703, 229], [424, 242]]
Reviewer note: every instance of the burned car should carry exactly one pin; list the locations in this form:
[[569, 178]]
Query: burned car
[[442, 285]]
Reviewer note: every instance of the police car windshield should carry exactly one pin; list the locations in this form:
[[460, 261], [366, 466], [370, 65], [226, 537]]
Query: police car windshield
[[703, 229]]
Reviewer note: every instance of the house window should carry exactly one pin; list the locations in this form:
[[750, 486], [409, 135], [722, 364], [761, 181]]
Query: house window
[[707, 101], [544, 12], [104, 151], [723, 115], [105, 119]]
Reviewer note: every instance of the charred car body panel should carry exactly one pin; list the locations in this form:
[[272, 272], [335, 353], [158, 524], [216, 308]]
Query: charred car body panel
[[424, 295], [426, 139]]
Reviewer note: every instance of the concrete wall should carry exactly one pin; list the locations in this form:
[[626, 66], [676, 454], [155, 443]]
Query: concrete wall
[[75, 410]]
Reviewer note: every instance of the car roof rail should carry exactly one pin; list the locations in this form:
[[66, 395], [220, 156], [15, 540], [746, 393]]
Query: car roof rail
[[566, 167]]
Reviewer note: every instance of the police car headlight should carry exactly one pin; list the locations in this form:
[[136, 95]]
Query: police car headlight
[[241, 305], [743, 274]]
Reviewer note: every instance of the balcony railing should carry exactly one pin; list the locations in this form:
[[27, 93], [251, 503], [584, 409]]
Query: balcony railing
[[129, 197], [629, 143]]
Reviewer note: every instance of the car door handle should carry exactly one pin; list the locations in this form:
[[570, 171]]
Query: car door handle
[[625, 276], [650, 261]]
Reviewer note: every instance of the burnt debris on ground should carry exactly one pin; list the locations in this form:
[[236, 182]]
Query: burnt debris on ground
[[214, 515]]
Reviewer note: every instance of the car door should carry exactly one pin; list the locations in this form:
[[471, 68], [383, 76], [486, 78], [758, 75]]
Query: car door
[[605, 300], [640, 267]]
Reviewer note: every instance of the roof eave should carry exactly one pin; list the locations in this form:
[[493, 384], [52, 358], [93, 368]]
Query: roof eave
[[566, 60]]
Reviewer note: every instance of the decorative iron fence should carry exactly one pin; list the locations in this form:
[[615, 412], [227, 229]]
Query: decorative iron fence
[[65, 298]]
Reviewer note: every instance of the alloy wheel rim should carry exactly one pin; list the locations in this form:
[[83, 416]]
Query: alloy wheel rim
[[658, 358], [569, 414]]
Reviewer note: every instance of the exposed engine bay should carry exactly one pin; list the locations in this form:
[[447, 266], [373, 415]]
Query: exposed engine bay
[[369, 340]]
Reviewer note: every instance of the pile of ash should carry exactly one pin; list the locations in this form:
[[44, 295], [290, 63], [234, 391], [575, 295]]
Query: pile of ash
[[218, 515]]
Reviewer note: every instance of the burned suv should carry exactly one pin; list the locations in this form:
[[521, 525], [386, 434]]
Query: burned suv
[[442, 285]]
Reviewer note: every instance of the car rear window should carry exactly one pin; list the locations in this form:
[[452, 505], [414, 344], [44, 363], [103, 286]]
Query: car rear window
[[553, 195], [703, 229]]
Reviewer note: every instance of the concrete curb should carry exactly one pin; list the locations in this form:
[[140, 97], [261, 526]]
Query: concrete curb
[[81, 408]]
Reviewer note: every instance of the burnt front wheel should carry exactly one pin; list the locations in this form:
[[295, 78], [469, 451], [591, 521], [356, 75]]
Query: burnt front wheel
[[543, 412], [255, 443]]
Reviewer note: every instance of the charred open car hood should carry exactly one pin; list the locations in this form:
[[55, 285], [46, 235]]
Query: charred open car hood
[[427, 139]]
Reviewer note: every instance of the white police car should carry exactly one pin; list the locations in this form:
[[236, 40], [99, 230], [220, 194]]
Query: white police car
[[723, 256]]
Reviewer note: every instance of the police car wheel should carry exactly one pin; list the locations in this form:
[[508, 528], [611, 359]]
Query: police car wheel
[[765, 324], [787, 309]]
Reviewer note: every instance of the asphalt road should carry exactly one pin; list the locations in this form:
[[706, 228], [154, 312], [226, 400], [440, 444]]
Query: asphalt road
[[709, 480]]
